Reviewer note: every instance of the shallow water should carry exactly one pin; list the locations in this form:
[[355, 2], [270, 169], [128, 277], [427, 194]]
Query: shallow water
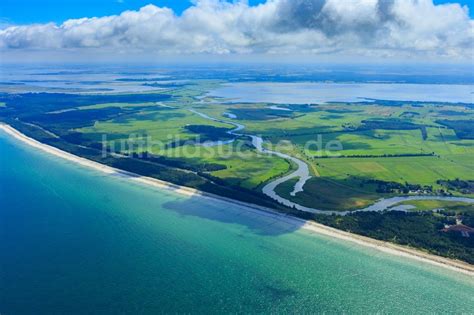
[[314, 92], [73, 240]]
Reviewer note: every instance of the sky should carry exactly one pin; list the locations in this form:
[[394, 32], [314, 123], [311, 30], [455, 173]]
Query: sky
[[42, 11], [337, 29]]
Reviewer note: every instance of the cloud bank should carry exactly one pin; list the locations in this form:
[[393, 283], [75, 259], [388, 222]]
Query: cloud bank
[[370, 28]]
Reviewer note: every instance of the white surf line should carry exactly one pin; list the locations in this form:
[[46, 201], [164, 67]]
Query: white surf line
[[310, 226]]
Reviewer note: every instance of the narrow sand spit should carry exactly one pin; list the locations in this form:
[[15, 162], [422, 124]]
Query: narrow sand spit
[[385, 247]]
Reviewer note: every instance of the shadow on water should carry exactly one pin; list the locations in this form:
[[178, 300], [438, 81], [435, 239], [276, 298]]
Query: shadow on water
[[279, 292], [258, 221]]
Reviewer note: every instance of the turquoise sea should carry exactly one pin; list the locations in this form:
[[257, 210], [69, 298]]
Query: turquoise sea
[[74, 241]]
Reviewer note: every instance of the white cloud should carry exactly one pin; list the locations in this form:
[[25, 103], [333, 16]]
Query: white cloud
[[403, 28]]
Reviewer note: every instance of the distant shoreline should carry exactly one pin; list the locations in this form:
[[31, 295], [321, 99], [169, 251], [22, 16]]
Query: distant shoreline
[[386, 247]]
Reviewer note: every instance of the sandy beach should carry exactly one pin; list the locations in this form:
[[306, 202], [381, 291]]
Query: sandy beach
[[382, 246]]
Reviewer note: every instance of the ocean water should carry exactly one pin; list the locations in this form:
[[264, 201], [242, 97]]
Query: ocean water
[[317, 92], [74, 241]]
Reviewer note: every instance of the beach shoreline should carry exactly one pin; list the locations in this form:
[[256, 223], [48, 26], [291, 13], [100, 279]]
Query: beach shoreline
[[311, 226]]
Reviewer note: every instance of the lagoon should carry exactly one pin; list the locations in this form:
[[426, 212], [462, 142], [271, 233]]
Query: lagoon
[[318, 92], [73, 240]]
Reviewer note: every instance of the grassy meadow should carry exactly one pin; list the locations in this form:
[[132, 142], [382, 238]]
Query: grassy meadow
[[429, 205], [356, 152]]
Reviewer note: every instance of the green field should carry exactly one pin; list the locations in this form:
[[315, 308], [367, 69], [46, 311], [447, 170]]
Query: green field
[[163, 125], [429, 205], [416, 170], [356, 152], [325, 193], [244, 167]]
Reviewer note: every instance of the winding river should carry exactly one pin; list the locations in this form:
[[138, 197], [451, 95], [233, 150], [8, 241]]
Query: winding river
[[303, 175]]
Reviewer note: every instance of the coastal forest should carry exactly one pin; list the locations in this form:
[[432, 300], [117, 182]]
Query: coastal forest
[[356, 152]]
